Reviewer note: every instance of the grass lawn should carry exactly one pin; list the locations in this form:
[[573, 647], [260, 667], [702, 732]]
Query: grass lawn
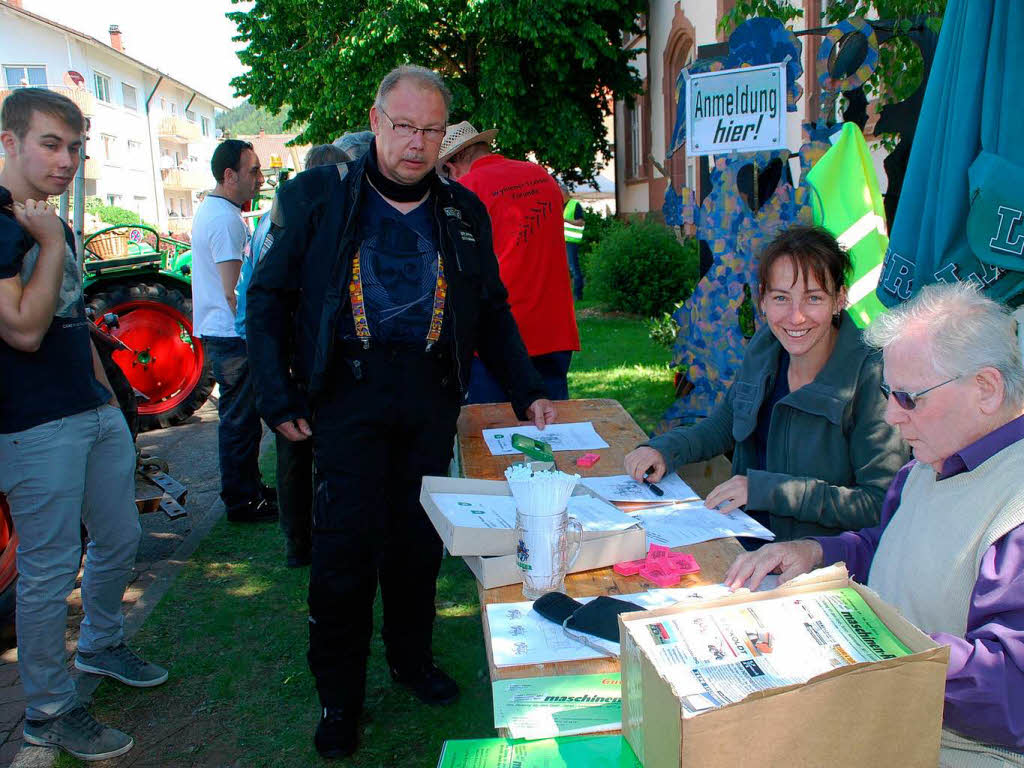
[[233, 627], [619, 360]]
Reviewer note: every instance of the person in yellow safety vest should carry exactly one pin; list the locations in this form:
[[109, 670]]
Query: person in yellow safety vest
[[573, 216]]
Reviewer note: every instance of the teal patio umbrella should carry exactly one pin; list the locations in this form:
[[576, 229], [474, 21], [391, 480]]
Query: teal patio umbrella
[[961, 211]]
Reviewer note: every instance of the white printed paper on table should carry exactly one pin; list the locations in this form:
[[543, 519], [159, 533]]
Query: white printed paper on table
[[597, 515], [467, 510], [677, 525], [625, 488], [519, 635], [574, 436]]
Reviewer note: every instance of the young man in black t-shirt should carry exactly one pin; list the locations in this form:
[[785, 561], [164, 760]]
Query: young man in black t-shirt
[[66, 455]]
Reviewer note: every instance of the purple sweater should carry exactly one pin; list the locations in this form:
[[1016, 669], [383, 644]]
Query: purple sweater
[[985, 680]]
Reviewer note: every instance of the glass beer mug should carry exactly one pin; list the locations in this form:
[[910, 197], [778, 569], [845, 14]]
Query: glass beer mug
[[547, 548]]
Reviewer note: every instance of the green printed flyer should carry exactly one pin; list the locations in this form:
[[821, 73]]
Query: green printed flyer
[[539, 707], [862, 627], [566, 752]]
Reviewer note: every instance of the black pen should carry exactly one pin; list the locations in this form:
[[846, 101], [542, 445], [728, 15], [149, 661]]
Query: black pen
[[654, 489]]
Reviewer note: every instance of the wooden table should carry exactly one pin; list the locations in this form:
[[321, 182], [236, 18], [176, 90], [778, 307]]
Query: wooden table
[[622, 435]]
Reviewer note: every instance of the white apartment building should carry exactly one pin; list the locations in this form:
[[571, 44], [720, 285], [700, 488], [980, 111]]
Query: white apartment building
[[150, 136]]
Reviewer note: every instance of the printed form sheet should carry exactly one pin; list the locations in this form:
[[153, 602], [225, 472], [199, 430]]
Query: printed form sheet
[[625, 488], [677, 525], [574, 436]]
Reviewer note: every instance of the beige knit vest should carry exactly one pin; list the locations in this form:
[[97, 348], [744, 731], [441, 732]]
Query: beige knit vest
[[928, 558]]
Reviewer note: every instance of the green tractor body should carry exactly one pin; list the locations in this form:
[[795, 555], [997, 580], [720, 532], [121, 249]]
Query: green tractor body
[[146, 280]]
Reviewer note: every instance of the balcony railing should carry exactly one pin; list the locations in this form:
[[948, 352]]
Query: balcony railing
[[181, 179], [83, 98], [177, 225], [173, 127], [93, 168]]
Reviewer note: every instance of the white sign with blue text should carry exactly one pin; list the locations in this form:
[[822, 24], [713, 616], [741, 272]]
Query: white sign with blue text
[[736, 110]]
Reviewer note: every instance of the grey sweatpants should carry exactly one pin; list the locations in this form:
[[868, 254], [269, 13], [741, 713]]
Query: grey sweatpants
[[57, 476]]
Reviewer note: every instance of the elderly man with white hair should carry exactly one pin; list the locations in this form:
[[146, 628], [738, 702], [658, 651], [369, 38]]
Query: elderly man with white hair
[[949, 553]]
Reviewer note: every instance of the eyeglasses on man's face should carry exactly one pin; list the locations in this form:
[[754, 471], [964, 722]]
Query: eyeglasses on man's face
[[908, 400], [407, 131]]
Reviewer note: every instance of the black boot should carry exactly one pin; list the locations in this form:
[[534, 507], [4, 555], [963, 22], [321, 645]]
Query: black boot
[[337, 733], [427, 682]]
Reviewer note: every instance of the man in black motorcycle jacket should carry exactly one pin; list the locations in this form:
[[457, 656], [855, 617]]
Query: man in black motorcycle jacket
[[378, 282]]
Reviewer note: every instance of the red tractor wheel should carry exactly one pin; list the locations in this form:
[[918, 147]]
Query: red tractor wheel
[[8, 563], [165, 363]]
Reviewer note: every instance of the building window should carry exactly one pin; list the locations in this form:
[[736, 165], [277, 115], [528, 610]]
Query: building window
[[130, 97], [135, 153], [102, 86], [190, 115], [109, 148], [204, 122], [140, 202], [113, 200], [19, 76], [636, 141]]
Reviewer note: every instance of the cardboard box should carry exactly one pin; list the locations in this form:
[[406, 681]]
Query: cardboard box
[[882, 713], [491, 545]]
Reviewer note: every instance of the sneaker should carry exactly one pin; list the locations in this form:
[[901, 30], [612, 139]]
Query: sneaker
[[427, 682], [337, 733], [121, 663], [258, 511], [78, 734]]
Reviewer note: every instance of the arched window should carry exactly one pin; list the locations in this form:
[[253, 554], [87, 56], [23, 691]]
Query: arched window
[[679, 53]]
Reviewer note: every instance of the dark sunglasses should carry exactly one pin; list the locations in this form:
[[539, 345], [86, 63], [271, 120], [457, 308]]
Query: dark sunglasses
[[908, 400]]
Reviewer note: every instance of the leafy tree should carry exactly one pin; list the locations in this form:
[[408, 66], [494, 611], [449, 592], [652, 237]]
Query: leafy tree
[[246, 119], [900, 67], [541, 72]]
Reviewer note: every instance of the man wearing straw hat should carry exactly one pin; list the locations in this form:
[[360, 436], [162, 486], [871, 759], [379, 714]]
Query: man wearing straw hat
[[378, 278], [525, 206]]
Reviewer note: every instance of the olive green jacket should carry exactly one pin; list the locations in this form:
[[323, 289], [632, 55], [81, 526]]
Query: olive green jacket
[[830, 454]]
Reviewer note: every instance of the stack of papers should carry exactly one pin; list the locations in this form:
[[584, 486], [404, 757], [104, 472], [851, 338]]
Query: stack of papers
[[721, 655], [572, 752], [541, 707]]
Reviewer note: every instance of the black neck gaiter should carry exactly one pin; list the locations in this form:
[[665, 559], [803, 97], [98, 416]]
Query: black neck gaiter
[[392, 190], [6, 202]]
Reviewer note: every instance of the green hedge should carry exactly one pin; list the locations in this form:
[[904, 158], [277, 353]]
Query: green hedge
[[641, 268], [113, 215]]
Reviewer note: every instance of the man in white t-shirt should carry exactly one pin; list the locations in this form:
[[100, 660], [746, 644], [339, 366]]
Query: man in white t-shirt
[[219, 239]]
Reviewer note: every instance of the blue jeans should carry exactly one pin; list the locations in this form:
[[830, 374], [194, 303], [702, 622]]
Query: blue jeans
[[240, 430], [58, 476], [572, 252], [553, 369]]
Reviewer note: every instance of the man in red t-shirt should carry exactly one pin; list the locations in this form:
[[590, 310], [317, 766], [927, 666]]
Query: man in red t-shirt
[[525, 206]]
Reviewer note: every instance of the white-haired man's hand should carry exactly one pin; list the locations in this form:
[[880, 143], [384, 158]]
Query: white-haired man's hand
[[788, 559]]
